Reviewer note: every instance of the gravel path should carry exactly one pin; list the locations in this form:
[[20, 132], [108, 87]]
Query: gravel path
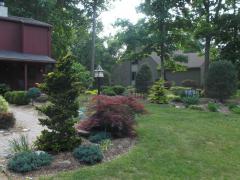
[[26, 123]]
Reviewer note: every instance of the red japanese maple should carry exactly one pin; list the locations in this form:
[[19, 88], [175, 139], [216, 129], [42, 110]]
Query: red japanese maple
[[112, 114]]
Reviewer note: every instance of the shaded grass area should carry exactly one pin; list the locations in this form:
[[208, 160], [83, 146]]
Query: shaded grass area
[[175, 144]]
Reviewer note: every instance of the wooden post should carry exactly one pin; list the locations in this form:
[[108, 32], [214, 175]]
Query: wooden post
[[25, 76]]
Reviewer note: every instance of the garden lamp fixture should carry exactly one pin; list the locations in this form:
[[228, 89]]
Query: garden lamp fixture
[[99, 73]]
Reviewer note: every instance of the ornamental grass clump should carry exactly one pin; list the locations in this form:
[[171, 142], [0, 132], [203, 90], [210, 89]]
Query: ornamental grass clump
[[115, 115]]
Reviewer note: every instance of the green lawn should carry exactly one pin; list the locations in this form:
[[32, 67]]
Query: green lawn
[[175, 144]]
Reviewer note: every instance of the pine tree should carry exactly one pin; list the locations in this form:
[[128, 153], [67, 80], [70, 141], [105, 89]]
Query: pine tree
[[62, 88]]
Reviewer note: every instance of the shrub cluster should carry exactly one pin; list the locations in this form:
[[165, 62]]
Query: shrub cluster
[[113, 90], [115, 115], [108, 91], [88, 154], [99, 137], [3, 105], [7, 120], [29, 161], [17, 97], [158, 93], [4, 88], [221, 81]]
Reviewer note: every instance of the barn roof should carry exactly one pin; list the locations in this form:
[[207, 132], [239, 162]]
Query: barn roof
[[25, 21], [24, 57]]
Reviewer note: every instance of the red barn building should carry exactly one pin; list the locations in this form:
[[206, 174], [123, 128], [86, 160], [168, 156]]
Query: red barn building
[[25, 50]]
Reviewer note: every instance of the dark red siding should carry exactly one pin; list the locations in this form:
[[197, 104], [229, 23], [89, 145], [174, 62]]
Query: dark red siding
[[10, 36], [16, 36], [36, 40]]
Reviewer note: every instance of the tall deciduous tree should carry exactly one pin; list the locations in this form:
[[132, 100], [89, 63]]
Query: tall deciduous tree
[[205, 14], [95, 7], [162, 15]]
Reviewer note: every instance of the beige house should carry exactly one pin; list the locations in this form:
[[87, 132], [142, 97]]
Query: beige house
[[125, 73]]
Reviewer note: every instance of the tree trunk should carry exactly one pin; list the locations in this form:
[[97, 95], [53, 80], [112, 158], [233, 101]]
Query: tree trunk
[[207, 55], [93, 38], [162, 55]]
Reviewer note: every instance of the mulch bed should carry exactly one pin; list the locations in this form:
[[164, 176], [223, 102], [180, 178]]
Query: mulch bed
[[66, 162]]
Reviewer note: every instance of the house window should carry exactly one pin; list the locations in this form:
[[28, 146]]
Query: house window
[[134, 76]]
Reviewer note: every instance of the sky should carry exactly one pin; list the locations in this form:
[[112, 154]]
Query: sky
[[123, 9]]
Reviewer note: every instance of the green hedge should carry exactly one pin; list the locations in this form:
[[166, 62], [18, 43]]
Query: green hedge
[[17, 97]]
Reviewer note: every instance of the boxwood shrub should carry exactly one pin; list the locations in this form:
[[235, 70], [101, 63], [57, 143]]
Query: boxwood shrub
[[29, 161], [17, 97], [88, 154]]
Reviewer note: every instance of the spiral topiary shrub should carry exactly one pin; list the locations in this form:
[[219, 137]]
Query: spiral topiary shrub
[[29, 161], [88, 154]]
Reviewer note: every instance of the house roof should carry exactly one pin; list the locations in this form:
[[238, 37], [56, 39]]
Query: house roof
[[194, 60], [25, 21], [24, 57]]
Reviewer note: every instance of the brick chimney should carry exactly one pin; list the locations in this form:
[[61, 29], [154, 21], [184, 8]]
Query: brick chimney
[[3, 9]]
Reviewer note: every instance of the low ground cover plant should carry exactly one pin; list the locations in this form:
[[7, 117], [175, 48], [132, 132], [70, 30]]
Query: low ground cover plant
[[98, 137], [115, 115], [88, 154], [29, 161], [17, 97], [235, 108], [213, 107]]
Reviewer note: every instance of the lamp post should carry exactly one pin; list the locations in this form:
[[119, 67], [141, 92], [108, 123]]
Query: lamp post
[[98, 73]]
